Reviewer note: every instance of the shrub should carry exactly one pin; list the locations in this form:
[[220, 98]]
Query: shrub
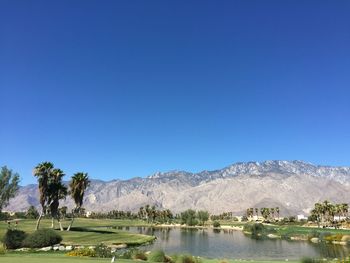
[[138, 254], [42, 238], [244, 219], [2, 250], [124, 254], [187, 259], [102, 251], [216, 224], [14, 238], [256, 228], [4, 216], [307, 260], [323, 235], [82, 252], [157, 256], [311, 260], [336, 237], [313, 234]]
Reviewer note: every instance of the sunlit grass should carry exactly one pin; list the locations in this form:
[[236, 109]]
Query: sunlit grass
[[89, 231]]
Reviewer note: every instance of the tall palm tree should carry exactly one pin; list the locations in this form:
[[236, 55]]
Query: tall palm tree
[[327, 210], [338, 209], [43, 171], [345, 209], [57, 190], [277, 209], [272, 213], [78, 184], [318, 212], [141, 213], [148, 212]]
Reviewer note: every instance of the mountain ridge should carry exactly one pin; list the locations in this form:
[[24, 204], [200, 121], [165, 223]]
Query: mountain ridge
[[281, 182]]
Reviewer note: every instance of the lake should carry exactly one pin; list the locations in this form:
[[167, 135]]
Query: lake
[[233, 244]]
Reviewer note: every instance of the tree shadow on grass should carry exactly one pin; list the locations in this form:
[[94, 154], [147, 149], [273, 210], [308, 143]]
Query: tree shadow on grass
[[84, 229]]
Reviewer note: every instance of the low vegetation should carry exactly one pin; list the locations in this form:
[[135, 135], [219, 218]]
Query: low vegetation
[[42, 238], [157, 256], [13, 238]]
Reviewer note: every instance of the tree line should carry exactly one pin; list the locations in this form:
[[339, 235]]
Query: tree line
[[326, 213], [266, 212]]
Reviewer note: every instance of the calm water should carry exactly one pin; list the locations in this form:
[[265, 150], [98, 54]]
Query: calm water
[[233, 244]]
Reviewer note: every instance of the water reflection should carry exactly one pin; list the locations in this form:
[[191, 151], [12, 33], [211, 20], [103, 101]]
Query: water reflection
[[216, 243]]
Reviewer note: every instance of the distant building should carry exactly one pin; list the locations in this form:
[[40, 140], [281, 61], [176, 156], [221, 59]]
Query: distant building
[[88, 213], [301, 217]]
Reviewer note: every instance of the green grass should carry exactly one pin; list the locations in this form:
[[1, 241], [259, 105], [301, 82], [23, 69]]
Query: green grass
[[302, 231], [89, 231], [61, 258]]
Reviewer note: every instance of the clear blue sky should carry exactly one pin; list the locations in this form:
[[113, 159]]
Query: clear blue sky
[[126, 88]]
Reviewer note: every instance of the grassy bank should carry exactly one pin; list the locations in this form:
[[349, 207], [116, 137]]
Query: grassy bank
[[89, 231], [61, 258], [293, 232]]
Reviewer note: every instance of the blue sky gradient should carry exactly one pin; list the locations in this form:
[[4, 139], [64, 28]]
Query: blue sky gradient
[[121, 89]]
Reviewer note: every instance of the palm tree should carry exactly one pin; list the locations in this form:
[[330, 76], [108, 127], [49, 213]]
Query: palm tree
[[78, 185], [272, 213], [63, 211], [43, 171], [318, 212], [265, 212], [148, 212], [57, 190], [327, 210], [345, 209], [277, 209], [248, 212], [141, 213], [338, 209]]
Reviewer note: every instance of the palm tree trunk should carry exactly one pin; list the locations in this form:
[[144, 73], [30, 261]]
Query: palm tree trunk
[[59, 222], [71, 222], [38, 221]]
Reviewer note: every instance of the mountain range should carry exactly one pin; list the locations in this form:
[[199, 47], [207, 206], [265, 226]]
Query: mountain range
[[293, 186]]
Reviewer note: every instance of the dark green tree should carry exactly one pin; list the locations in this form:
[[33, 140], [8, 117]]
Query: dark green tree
[[188, 217], [56, 191], [8, 186], [43, 171], [203, 216], [78, 186], [32, 213]]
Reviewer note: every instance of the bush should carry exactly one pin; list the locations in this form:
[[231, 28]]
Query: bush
[[244, 219], [323, 235], [42, 238], [254, 229], [138, 254], [311, 260], [82, 252], [124, 254], [307, 260], [2, 250], [187, 259], [157, 256], [102, 251], [216, 224], [14, 238]]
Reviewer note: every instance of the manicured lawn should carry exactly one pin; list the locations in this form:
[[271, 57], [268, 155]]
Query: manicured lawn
[[299, 230], [291, 230], [89, 231], [58, 257]]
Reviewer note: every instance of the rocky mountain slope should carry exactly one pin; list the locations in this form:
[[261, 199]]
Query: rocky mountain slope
[[294, 186]]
